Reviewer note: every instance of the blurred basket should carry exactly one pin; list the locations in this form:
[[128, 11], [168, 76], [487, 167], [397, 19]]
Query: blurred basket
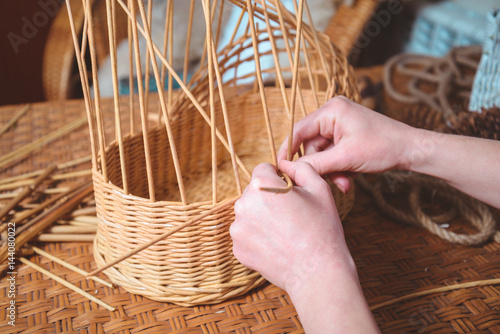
[[59, 72], [348, 23], [144, 187]]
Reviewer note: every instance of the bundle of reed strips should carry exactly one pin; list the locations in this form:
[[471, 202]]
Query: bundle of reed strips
[[32, 203]]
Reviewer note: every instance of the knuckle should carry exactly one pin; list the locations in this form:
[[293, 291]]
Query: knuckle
[[239, 208], [237, 253], [234, 230], [340, 103]]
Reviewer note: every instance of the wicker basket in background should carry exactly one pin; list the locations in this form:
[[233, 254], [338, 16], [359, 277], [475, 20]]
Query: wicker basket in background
[[195, 265]]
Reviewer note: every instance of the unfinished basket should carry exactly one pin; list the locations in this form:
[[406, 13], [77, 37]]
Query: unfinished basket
[[185, 155]]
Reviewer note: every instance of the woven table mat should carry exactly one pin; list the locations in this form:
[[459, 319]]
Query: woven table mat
[[393, 260], [40, 120]]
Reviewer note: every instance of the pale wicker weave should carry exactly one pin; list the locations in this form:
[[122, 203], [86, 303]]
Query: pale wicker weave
[[195, 265]]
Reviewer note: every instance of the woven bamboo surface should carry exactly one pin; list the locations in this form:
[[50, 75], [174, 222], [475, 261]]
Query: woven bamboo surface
[[393, 260]]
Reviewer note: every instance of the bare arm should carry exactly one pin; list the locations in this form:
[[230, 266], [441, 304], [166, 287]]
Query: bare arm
[[469, 164], [345, 136]]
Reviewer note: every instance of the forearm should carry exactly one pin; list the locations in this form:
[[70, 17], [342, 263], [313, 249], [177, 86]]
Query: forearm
[[471, 165], [331, 301]]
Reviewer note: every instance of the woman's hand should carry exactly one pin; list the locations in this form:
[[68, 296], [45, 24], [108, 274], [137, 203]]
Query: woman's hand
[[345, 136], [276, 234]]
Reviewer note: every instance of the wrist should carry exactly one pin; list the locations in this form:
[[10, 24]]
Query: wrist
[[419, 146], [317, 265], [332, 301]]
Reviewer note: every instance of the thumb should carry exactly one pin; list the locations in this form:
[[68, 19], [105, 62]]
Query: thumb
[[304, 175]]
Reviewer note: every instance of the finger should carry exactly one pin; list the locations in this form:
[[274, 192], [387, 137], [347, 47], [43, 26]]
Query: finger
[[304, 176], [341, 181], [316, 144], [266, 175], [319, 123]]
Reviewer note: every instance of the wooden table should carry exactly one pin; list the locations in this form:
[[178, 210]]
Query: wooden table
[[393, 260]]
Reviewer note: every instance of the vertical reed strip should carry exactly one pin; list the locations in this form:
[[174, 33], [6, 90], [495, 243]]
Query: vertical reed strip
[[279, 74], [146, 70], [170, 52], [212, 17], [84, 41], [316, 42], [238, 24], [144, 120], [213, 124], [166, 36], [163, 71], [118, 128], [295, 77], [95, 81], [203, 54], [310, 75], [226, 118], [188, 42], [14, 119], [279, 9], [170, 134], [188, 93], [131, 73], [255, 46], [219, 25], [85, 84], [26, 192]]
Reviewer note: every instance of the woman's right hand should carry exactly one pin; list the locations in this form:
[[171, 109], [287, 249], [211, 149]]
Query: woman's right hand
[[343, 136]]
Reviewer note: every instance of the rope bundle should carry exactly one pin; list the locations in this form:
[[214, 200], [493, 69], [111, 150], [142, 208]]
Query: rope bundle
[[430, 91], [415, 185]]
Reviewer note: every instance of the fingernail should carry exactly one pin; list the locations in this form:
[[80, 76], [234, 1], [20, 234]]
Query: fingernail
[[341, 188]]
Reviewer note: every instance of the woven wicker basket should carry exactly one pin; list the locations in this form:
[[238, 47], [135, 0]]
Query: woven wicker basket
[[195, 265]]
